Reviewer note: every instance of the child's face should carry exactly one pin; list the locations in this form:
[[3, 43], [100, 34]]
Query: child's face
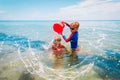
[[74, 26], [74, 29], [56, 42]]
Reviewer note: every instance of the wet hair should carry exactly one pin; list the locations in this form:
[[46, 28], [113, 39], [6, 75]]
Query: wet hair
[[57, 38]]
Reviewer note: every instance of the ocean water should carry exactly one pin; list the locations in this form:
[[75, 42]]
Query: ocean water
[[24, 54]]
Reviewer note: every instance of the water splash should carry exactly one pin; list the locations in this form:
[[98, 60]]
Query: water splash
[[95, 37]]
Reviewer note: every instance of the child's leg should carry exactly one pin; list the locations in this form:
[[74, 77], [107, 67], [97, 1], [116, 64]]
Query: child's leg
[[74, 54]]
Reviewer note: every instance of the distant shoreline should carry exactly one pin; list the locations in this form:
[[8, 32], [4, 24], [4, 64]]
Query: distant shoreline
[[50, 20]]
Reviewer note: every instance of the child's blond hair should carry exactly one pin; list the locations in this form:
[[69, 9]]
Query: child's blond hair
[[75, 25]]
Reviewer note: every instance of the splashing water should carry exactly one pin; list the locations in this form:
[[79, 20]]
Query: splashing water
[[35, 65], [97, 60]]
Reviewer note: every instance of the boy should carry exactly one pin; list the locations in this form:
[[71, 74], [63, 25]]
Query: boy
[[73, 38]]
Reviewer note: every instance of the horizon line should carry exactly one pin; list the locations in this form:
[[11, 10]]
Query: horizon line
[[57, 20]]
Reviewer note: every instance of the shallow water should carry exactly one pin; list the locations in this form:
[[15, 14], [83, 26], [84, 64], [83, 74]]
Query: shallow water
[[24, 57]]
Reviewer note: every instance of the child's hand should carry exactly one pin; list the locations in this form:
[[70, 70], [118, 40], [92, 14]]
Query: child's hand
[[59, 51], [63, 22], [61, 33]]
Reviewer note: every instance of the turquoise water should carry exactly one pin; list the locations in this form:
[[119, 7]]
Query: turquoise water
[[23, 52]]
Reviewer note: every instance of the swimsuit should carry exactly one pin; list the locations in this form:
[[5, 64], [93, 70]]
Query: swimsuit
[[73, 38]]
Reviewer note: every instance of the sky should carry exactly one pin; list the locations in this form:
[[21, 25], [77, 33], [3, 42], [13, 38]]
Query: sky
[[59, 9]]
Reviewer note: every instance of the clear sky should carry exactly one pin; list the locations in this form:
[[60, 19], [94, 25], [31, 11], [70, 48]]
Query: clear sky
[[59, 9]]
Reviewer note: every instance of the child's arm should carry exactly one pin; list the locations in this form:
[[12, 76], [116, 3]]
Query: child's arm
[[67, 39], [66, 23]]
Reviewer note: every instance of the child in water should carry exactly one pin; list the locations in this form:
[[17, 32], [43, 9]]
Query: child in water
[[73, 38], [57, 48]]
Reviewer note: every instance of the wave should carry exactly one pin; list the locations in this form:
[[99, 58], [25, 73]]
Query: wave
[[18, 41]]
